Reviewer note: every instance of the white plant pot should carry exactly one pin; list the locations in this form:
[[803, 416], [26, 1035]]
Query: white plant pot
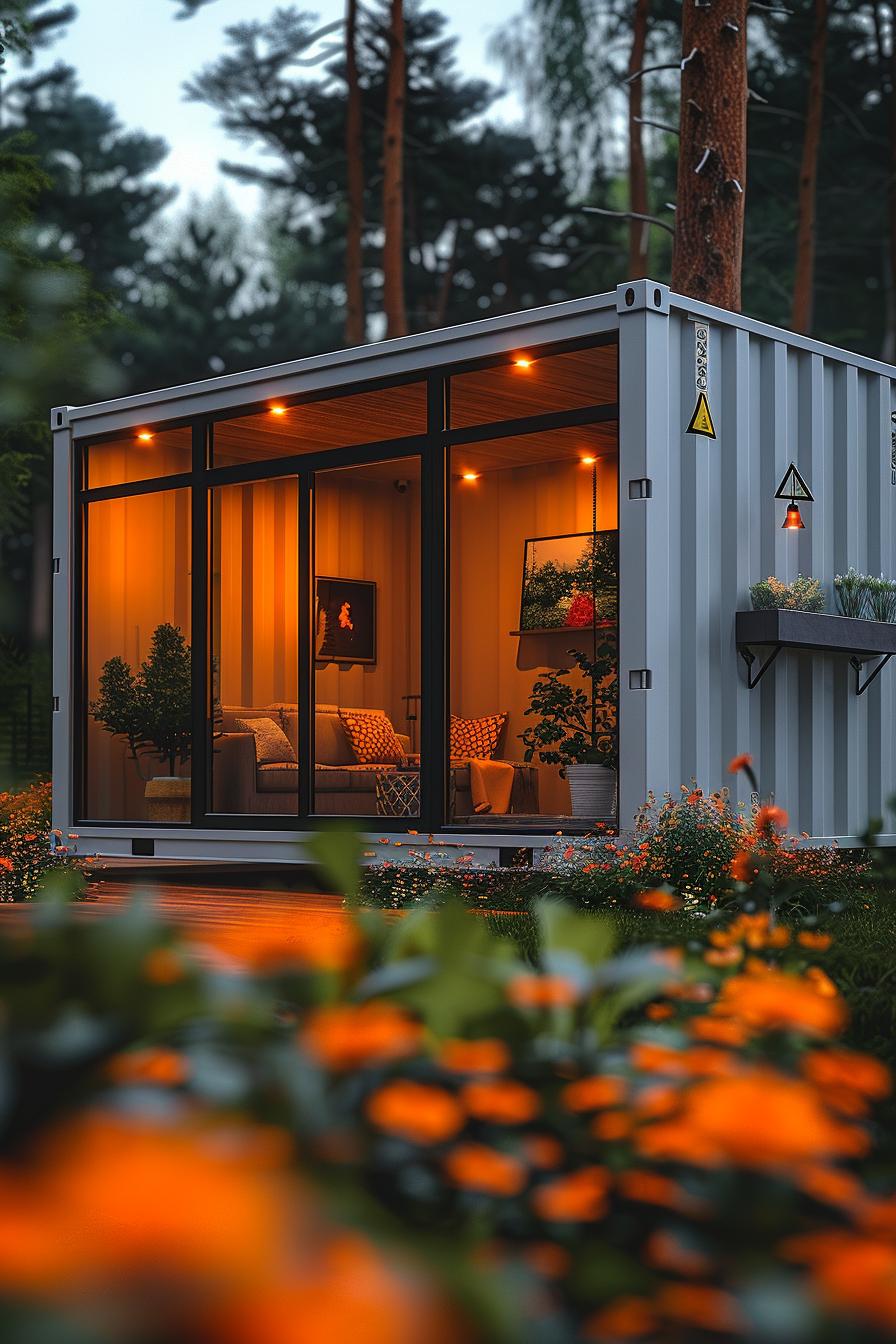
[[592, 789]]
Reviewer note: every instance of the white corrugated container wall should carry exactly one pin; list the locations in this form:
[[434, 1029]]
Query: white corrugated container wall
[[713, 527]]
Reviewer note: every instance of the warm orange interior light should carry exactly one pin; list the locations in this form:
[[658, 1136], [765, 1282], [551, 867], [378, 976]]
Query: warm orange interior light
[[792, 520], [523, 363], [470, 476], [588, 461], [278, 410], [145, 437]]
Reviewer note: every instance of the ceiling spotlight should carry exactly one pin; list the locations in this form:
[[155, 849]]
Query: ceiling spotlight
[[523, 362], [278, 410], [470, 476], [588, 461], [145, 437]]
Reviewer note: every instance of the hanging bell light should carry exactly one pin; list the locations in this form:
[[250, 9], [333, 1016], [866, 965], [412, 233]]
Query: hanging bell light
[[792, 520]]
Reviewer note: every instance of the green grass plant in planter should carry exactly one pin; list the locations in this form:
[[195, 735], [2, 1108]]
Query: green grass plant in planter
[[881, 597], [851, 591], [804, 594]]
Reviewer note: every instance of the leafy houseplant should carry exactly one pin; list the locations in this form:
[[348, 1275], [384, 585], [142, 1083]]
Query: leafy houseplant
[[881, 597], [152, 710], [804, 594], [852, 593], [576, 728]]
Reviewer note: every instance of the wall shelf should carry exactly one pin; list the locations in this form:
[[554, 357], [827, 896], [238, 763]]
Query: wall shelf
[[814, 631]]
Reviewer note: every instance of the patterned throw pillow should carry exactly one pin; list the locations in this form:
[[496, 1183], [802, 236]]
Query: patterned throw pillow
[[371, 737], [476, 738], [272, 746]]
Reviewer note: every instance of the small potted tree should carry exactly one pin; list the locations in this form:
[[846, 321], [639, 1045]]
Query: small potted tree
[[152, 710], [576, 729]]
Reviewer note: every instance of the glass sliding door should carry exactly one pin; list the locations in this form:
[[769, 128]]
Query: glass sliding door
[[366, 632], [253, 591], [136, 669], [533, 578]]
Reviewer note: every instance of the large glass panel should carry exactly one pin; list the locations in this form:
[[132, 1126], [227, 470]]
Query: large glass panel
[[139, 455], [367, 640], [282, 430], [137, 658], [533, 575], [526, 385], [254, 647]]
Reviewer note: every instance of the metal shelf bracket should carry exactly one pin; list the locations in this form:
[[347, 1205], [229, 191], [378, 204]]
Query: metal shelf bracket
[[862, 686], [749, 658]]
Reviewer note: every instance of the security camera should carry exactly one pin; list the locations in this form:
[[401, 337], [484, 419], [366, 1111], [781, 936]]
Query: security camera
[[401, 486]]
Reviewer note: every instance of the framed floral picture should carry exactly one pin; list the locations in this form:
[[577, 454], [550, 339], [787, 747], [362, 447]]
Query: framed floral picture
[[345, 622], [570, 581]]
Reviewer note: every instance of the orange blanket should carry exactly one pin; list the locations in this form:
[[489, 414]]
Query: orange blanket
[[491, 783]]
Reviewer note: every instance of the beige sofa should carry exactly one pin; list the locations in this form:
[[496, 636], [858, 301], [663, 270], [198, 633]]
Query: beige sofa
[[341, 786]]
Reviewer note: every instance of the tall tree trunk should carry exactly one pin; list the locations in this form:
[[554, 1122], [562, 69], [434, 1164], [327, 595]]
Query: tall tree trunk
[[712, 162], [354, 159], [804, 279], [393, 178], [637, 168]]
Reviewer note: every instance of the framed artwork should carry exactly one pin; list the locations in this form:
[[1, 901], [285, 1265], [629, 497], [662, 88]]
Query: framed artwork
[[570, 582], [345, 621]]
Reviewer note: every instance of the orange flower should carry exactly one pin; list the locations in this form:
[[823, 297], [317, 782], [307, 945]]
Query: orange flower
[[501, 1101], [699, 1305], [475, 1166], [590, 1094], [757, 1120], [273, 938], [720, 1030], [829, 1184], [814, 939], [851, 1272], [768, 817], [5, 863], [542, 1151], [488, 1055], [738, 763], [659, 899], [162, 966], [743, 866], [154, 1066], [415, 1111], [579, 1197], [346, 1036], [849, 1070], [626, 1318], [542, 991], [659, 1012], [547, 1259], [774, 1001], [698, 1061], [649, 1187], [723, 956], [610, 1126]]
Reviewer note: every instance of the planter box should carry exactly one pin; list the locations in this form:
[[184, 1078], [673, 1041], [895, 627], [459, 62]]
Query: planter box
[[815, 630]]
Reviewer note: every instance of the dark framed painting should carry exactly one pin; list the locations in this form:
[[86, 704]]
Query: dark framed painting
[[345, 621], [570, 581]]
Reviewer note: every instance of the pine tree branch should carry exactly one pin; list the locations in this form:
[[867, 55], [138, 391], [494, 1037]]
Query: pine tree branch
[[626, 214]]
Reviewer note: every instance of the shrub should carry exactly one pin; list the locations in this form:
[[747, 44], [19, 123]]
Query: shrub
[[29, 849], [804, 594], [851, 593]]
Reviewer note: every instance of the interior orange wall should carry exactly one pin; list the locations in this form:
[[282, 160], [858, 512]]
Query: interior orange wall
[[490, 521]]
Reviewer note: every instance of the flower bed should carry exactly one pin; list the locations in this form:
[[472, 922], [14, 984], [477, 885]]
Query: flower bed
[[29, 848], [406, 1131]]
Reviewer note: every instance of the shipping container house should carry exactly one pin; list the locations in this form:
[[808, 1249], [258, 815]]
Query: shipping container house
[[326, 588]]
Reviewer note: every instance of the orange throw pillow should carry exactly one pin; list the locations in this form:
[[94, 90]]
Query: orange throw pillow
[[476, 738], [371, 737]]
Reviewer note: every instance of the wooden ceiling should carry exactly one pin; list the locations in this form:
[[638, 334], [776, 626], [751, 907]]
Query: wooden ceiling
[[523, 450], [555, 383]]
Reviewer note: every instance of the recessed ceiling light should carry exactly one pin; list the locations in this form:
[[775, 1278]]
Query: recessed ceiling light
[[470, 476], [145, 437], [523, 362], [588, 461], [278, 410]]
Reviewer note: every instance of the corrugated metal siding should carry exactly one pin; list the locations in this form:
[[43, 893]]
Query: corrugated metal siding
[[826, 754]]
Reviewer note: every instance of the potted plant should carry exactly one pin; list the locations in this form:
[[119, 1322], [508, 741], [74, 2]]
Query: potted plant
[[576, 729], [804, 594], [152, 710]]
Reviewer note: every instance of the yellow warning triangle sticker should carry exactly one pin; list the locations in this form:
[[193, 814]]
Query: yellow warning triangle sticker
[[701, 420]]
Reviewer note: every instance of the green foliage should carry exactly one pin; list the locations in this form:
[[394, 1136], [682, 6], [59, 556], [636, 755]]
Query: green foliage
[[865, 595], [804, 594], [31, 853], [575, 726], [152, 708]]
